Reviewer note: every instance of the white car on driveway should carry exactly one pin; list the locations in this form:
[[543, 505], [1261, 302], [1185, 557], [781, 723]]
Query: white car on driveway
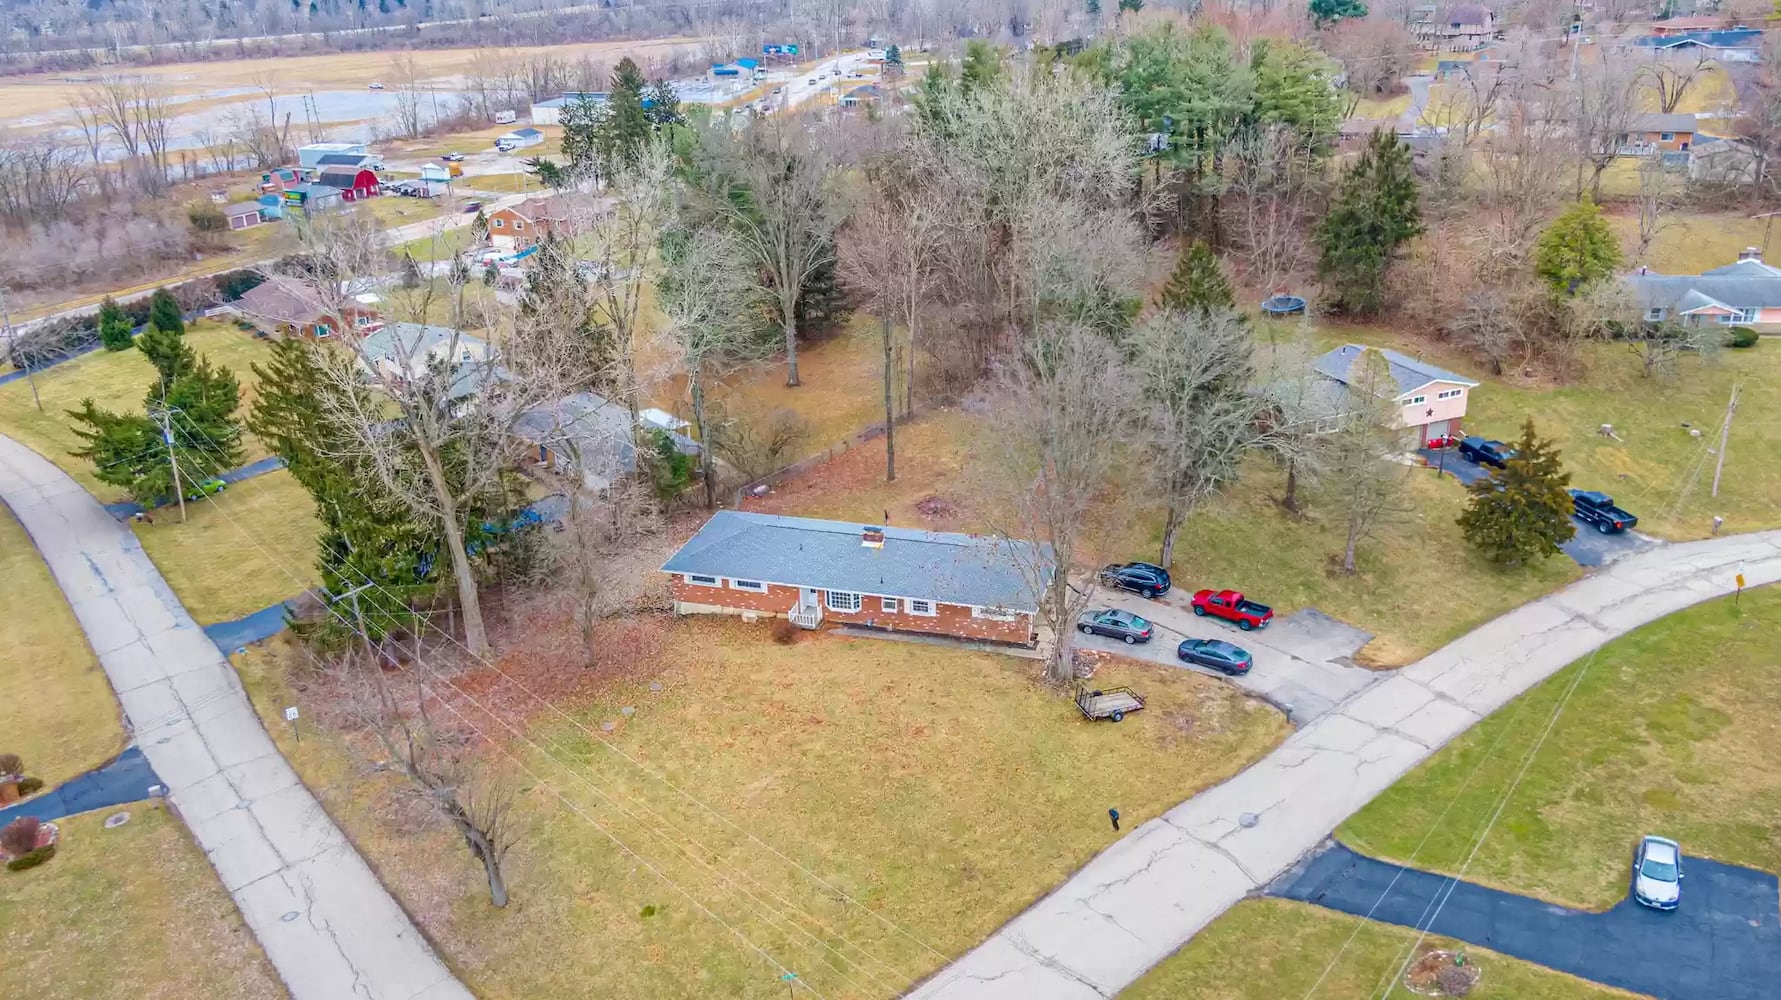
[[1657, 873]]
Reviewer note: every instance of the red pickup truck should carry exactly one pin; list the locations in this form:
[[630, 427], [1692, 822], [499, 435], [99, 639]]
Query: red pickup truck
[[1231, 606]]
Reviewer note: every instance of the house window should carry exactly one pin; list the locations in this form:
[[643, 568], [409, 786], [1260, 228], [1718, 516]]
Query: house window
[[994, 615], [1449, 393], [890, 605], [518, 225], [703, 581], [840, 600], [1418, 399], [1666, 136], [1747, 315], [321, 330], [499, 223], [755, 586], [922, 608], [1655, 313]]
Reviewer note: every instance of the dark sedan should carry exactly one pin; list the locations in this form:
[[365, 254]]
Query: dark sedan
[[1217, 654], [1116, 624], [1148, 579]]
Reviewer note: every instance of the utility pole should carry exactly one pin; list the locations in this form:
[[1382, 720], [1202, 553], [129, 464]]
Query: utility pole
[[1725, 433], [12, 342], [166, 416]]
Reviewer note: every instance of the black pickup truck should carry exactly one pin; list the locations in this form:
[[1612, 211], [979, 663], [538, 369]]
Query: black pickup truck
[[1598, 509], [1486, 451]]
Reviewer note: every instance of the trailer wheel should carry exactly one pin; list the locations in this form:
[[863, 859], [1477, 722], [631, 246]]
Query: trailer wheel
[[1118, 715]]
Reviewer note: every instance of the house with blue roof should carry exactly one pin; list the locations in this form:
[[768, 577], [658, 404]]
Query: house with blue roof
[[814, 572], [1746, 292], [1433, 399], [1730, 45]]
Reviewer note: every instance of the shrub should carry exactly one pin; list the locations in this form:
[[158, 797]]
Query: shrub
[[207, 218], [30, 786], [232, 285], [31, 858], [20, 836], [11, 763], [1742, 336], [785, 632], [758, 444]]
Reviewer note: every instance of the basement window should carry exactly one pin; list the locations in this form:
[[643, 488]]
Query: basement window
[[752, 585]]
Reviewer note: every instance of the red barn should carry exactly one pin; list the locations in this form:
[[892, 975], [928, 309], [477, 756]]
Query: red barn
[[354, 183]]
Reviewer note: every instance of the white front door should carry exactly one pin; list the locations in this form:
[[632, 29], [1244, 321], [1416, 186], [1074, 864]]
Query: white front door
[[807, 596]]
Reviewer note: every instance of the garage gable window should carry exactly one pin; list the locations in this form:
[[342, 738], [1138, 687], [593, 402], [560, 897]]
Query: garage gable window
[[840, 600], [500, 223]]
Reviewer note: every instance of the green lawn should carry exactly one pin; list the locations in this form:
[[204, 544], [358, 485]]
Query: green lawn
[[240, 550], [1670, 731], [66, 720], [437, 246], [135, 911], [941, 790], [1690, 243], [115, 380], [513, 183], [1272, 948]]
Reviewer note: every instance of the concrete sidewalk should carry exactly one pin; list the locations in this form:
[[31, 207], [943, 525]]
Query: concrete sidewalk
[[327, 924], [1141, 899]]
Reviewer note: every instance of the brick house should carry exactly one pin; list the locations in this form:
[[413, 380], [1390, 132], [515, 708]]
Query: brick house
[[896, 579], [1654, 132], [518, 226], [289, 307]]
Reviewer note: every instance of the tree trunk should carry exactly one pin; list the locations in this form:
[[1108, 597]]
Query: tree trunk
[[1348, 550], [890, 405], [1171, 527], [788, 310], [497, 881], [475, 636], [1291, 500], [1059, 669], [705, 472]]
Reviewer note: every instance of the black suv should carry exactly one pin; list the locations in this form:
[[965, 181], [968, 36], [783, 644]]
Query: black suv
[[1483, 451], [1143, 578]]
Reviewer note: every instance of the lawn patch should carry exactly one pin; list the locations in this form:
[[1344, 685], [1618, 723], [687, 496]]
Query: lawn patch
[[60, 714], [1669, 732], [1275, 948], [136, 911], [238, 550], [940, 790]]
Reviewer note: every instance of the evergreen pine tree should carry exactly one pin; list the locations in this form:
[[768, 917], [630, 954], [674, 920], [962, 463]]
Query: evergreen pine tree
[[163, 311], [664, 104], [1522, 511], [202, 400], [168, 352], [1374, 211], [114, 325], [1577, 249], [823, 304], [1094, 8], [893, 61], [1198, 284], [126, 450], [625, 126]]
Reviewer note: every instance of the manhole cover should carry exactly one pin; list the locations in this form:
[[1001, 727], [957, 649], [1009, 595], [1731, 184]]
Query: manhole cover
[[287, 918], [608, 726], [116, 820], [1248, 820]]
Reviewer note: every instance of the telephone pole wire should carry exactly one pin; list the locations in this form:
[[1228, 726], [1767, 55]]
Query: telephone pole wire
[[1725, 433], [166, 416], [12, 343]]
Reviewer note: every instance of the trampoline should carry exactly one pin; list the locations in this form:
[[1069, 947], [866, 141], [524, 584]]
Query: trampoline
[[1283, 305]]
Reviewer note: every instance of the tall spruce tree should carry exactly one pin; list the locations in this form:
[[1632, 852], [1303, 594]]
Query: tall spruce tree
[[626, 126], [1522, 511], [168, 352], [188, 420], [164, 312], [114, 325], [1374, 212], [1198, 284], [662, 104], [1577, 249]]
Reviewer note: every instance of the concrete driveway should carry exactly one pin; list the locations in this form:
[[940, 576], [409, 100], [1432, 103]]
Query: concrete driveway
[[1588, 547], [1722, 943], [1303, 662]]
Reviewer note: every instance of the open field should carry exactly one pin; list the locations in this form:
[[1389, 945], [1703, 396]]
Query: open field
[[513, 183], [1419, 584], [1275, 948], [49, 93], [1382, 107], [1669, 731], [246, 247], [1692, 243], [63, 718], [238, 550], [391, 211], [115, 380], [134, 911], [940, 790], [436, 246]]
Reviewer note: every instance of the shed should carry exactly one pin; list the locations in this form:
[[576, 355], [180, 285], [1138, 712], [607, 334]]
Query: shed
[[271, 207], [353, 183], [312, 197], [243, 214], [519, 138]]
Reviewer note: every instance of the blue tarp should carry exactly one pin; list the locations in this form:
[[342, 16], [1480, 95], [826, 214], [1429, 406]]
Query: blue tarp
[[126, 779]]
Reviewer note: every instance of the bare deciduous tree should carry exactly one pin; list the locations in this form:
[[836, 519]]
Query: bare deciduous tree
[[1270, 189], [1603, 104], [1061, 415], [1670, 74], [405, 86], [600, 531], [618, 237], [1361, 473]]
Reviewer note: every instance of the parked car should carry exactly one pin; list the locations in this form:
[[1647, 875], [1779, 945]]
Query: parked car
[[1592, 507], [1148, 579], [1657, 873], [453, 157], [1116, 624], [1217, 654], [374, 85], [1232, 606], [475, 206], [205, 487], [1486, 451]]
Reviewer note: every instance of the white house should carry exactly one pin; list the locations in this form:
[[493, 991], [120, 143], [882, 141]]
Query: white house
[[407, 350], [519, 138], [550, 112]]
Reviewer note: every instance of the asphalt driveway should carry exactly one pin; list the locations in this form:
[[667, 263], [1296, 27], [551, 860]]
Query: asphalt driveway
[[1588, 547], [1722, 943]]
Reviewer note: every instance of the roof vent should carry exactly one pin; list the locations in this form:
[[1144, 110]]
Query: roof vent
[[872, 537], [1750, 253]]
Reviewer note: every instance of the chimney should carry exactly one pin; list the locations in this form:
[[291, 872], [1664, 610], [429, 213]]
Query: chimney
[[1750, 253], [872, 537]]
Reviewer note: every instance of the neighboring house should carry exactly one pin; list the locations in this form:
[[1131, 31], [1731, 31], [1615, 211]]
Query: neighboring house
[[519, 138], [1433, 399], [349, 161], [1745, 293], [585, 435], [897, 579], [408, 350], [281, 179], [1654, 132], [517, 226], [312, 197], [308, 157], [353, 183], [1722, 161], [551, 112], [271, 207], [1687, 25], [866, 96], [1740, 45], [1422, 21], [1465, 26], [243, 214], [286, 306]]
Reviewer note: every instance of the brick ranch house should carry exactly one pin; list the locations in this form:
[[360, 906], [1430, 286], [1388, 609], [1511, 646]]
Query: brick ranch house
[[897, 579]]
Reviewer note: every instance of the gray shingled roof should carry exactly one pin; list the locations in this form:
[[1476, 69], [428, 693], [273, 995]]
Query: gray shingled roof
[[974, 570], [1656, 121], [1407, 372], [1681, 293]]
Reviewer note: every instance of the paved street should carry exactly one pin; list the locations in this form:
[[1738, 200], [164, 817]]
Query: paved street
[[324, 920], [1303, 662], [1155, 888], [1722, 943]]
